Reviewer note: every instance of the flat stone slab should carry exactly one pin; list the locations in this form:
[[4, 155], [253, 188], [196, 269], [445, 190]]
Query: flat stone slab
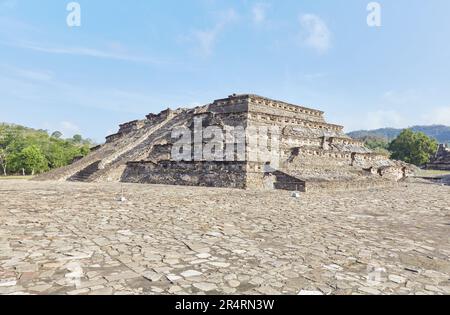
[[78, 239]]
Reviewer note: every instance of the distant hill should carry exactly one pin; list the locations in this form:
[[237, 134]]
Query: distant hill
[[438, 132]]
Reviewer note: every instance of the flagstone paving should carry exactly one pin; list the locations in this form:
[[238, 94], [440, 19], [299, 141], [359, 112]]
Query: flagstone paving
[[76, 239]]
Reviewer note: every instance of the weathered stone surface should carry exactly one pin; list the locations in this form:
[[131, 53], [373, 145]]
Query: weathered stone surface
[[397, 279], [307, 292], [234, 283], [64, 238], [441, 161], [122, 276], [204, 286], [191, 273]]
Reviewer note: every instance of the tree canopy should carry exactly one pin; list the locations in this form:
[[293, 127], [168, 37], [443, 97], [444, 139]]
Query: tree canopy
[[413, 147], [35, 151]]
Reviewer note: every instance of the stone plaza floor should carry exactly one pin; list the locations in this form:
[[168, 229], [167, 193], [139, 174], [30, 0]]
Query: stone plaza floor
[[74, 238]]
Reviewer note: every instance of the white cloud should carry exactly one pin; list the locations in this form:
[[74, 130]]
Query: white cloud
[[315, 33], [438, 116], [45, 91], [384, 118], [206, 39], [401, 97], [68, 128], [259, 12]]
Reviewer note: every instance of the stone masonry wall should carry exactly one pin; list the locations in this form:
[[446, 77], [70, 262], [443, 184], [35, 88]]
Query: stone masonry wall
[[210, 174]]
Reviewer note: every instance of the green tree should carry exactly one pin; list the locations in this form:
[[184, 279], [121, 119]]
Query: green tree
[[32, 160], [6, 139], [375, 143], [85, 150], [77, 139], [57, 135], [56, 155], [4, 158], [414, 148], [57, 151]]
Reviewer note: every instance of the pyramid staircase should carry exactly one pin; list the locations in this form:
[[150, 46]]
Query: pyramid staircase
[[85, 174]]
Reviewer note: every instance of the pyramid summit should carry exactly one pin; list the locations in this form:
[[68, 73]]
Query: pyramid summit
[[243, 141]]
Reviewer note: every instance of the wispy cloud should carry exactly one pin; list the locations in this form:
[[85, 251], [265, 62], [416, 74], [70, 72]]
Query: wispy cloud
[[401, 97], [259, 13], [315, 33], [82, 52], [68, 128], [438, 115], [29, 74], [206, 39], [385, 118]]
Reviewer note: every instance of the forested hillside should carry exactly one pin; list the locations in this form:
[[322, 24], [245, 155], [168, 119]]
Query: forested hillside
[[29, 151], [438, 132]]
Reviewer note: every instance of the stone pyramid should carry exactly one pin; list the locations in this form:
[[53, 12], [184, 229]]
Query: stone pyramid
[[303, 151]]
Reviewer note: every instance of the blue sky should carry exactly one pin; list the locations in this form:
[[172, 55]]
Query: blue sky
[[131, 58]]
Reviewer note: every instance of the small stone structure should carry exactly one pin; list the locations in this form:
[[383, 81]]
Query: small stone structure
[[441, 161], [310, 153]]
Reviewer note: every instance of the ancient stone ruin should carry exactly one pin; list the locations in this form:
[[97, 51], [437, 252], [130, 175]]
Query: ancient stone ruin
[[302, 151], [441, 161]]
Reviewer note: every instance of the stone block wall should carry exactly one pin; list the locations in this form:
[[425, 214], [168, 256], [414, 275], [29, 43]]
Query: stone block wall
[[210, 174], [441, 161], [131, 126], [263, 105]]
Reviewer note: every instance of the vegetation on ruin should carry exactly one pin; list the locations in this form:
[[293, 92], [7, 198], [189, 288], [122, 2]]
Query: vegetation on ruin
[[413, 147], [29, 151], [379, 145]]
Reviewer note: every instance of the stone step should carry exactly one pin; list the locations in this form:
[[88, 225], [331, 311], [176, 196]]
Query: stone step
[[287, 182]]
